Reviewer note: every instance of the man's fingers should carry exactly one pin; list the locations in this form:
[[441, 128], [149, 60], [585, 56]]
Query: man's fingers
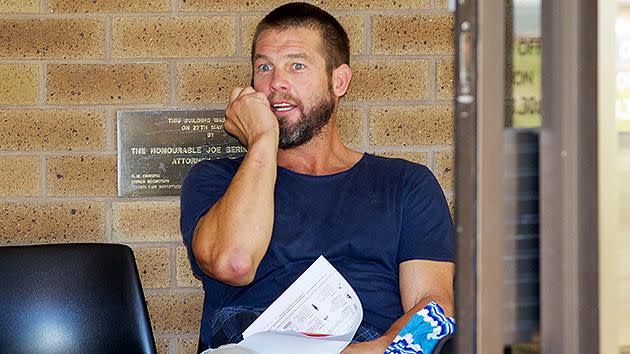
[[248, 90], [262, 97], [239, 92], [236, 92]]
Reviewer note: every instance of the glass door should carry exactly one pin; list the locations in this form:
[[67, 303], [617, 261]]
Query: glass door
[[498, 117], [527, 178]]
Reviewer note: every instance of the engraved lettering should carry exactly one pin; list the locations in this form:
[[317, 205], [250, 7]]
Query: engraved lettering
[[197, 120], [139, 151], [172, 150], [235, 149], [156, 149], [156, 181], [187, 160]]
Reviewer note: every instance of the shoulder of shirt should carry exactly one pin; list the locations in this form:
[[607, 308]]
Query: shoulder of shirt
[[395, 162]]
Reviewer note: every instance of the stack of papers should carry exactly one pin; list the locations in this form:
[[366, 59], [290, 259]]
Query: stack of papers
[[318, 314]]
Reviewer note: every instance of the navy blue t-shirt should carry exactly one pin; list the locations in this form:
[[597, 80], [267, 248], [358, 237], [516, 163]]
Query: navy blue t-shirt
[[365, 221]]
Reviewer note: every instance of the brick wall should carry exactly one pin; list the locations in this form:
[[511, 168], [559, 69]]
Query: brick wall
[[67, 66]]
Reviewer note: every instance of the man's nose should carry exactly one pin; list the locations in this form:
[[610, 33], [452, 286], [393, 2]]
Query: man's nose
[[279, 81]]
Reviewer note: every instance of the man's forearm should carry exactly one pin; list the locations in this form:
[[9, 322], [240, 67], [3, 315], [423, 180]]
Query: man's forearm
[[380, 344], [231, 239]]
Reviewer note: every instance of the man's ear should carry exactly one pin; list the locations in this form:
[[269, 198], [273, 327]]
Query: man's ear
[[341, 79]]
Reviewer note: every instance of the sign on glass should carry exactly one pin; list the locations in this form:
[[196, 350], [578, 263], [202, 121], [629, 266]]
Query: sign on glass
[[524, 110], [622, 104]]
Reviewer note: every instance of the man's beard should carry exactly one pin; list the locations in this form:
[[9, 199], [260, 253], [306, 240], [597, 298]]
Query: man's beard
[[308, 125]]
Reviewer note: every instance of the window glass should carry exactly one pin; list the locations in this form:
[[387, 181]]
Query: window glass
[[521, 187]]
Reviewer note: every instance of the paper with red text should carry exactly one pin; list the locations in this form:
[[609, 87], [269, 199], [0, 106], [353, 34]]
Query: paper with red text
[[319, 313]]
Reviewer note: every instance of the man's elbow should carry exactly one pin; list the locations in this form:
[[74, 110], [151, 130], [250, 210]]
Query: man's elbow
[[237, 271], [228, 267]]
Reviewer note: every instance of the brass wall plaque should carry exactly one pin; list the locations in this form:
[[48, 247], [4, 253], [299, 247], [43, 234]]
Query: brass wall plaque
[[157, 148]]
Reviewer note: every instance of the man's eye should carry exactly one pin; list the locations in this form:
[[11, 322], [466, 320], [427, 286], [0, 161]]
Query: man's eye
[[264, 67], [298, 66]]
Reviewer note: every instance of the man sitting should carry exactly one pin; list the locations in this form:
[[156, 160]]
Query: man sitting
[[253, 225]]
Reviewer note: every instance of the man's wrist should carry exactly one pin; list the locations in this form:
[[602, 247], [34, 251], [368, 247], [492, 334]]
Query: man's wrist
[[384, 341], [264, 147]]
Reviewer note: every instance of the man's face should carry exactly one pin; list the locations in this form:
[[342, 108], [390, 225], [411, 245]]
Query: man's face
[[289, 67]]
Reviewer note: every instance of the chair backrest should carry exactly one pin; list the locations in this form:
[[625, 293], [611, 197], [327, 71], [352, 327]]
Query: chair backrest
[[72, 298], [445, 346]]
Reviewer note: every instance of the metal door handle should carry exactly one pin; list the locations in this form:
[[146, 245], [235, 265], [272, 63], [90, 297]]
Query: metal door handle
[[465, 58]]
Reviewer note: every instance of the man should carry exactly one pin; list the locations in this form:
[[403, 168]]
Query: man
[[253, 225]]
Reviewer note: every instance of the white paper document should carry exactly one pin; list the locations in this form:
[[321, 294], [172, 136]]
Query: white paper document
[[319, 314]]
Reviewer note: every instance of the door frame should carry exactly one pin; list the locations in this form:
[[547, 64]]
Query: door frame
[[480, 74], [569, 225], [568, 179]]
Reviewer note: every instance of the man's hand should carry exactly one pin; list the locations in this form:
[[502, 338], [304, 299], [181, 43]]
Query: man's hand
[[376, 346], [231, 239], [248, 116]]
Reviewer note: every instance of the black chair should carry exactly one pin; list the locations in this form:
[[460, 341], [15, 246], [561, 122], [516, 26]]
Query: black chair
[[445, 346], [72, 298]]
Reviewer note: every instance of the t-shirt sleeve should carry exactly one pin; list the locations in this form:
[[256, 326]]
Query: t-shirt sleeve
[[427, 228], [202, 187]]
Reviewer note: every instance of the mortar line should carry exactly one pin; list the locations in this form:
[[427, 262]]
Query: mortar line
[[60, 153], [173, 83], [83, 198], [42, 177], [166, 291], [193, 13], [108, 39], [151, 244], [432, 83], [365, 121], [173, 345], [239, 58], [109, 139], [102, 107], [367, 26], [43, 80], [85, 107], [431, 160], [335, 12], [409, 148], [173, 264], [108, 222], [238, 38]]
